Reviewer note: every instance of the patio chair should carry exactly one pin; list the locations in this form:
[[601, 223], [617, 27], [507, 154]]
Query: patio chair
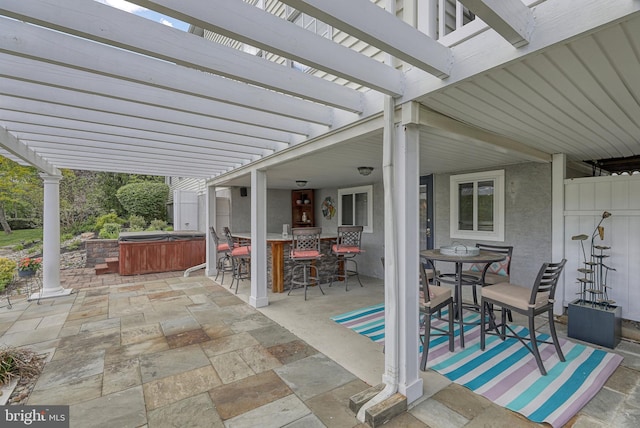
[[491, 273], [305, 249], [222, 248], [432, 301], [526, 301], [240, 259], [346, 248]]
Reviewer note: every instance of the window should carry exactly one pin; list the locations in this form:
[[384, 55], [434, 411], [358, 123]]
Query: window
[[477, 206], [308, 23], [355, 207]]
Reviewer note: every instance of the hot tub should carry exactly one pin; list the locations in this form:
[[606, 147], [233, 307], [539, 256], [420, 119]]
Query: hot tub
[[159, 251]]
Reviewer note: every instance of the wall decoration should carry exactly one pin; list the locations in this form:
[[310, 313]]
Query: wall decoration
[[328, 209]]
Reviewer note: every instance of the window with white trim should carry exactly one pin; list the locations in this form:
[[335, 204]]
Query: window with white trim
[[477, 206], [355, 207]]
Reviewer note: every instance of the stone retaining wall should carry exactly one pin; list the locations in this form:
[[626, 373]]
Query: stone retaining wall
[[100, 249]]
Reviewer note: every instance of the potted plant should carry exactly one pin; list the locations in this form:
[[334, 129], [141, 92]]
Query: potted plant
[[28, 266]]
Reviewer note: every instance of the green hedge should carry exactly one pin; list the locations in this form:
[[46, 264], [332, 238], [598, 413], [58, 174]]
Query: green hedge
[[145, 199]]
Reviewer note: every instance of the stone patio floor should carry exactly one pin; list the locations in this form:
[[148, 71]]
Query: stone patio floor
[[167, 351]]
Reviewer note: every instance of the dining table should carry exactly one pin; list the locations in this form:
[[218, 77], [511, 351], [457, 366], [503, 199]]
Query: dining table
[[458, 278]]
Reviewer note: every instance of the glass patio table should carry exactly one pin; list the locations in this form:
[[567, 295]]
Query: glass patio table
[[458, 279]]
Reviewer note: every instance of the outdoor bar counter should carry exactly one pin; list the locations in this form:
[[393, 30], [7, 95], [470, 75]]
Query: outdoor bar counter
[[279, 264], [159, 251]]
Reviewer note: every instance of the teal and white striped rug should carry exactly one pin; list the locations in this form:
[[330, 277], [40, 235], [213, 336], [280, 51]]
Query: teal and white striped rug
[[506, 372]]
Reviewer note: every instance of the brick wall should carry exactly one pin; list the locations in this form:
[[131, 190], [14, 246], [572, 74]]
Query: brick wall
[[100, 249]]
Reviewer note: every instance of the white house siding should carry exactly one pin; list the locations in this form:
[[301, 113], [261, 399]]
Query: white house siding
[[189, 184], [585, 201]]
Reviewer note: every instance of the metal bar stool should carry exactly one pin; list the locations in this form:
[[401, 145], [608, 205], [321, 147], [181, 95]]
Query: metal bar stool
[[224, 263], [346, 248], [240, 259], [305, 249]]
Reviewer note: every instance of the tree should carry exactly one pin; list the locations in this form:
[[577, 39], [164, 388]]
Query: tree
[[20, 192]]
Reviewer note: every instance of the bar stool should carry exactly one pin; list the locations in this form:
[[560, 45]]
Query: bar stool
[[346, 248], [222, 248], [305, 249], [240, 259]]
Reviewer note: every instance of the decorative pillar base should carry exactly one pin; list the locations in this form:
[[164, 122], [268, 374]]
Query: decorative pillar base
[[47, 294], [260, 302]]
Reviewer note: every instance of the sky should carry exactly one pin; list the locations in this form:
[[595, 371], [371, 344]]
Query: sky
[[146, 13]]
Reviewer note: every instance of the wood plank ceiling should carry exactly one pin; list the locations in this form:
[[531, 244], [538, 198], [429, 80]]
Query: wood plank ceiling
[[87, 86]]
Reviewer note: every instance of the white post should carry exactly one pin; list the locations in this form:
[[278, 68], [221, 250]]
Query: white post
[[210, 215], [51, 240], [558, 174], [258, 296], [406, 158]]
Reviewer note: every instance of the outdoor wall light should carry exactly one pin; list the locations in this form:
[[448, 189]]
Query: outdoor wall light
[[365, 170], [301, 183]]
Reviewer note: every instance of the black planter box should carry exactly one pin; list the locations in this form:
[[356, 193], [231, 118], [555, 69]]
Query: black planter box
[[594, 323]]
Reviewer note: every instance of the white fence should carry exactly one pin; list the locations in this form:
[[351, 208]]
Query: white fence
[[585, 201]]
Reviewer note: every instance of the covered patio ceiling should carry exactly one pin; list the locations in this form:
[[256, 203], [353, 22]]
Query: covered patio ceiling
[[87, 86]]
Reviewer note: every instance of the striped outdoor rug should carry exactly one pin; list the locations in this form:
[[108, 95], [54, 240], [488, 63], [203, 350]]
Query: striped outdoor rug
[[506, 372]]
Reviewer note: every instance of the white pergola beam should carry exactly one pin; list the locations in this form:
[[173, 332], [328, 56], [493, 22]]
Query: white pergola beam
[[115, 155], [146, 140], [14, 146], [437, 120], [133, 167], [512, 19], [373, 25], [43, 44], [88, 83], [246, 23], [94, 145], [104, 24], [109, 105], [202, 129]]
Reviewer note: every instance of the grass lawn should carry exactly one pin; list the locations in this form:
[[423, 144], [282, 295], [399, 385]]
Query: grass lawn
[[20, 236]]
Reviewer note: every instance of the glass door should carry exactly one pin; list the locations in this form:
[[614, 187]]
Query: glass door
[[426, 212]]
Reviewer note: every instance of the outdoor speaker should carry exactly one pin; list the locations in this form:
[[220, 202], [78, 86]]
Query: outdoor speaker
[[243, 191]]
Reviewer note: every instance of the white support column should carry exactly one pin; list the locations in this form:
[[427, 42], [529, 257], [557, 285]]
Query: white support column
[[405, 204], [558, 175], [258, 296], [210, 215], [51, 240]]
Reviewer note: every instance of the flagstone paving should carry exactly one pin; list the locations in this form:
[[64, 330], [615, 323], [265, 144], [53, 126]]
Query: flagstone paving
[[167, 351]]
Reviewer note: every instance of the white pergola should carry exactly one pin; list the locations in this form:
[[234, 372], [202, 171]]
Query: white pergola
[[87, 86]]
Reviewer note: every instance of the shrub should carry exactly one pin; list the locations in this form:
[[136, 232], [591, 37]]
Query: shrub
[[145, 199], [7, 271], [157, 225], [78, 228], [137, 223], [107, 218], [110, 231], [66, 236]]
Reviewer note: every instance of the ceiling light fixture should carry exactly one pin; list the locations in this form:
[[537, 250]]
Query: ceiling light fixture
[[365, 170], [301, 183]]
